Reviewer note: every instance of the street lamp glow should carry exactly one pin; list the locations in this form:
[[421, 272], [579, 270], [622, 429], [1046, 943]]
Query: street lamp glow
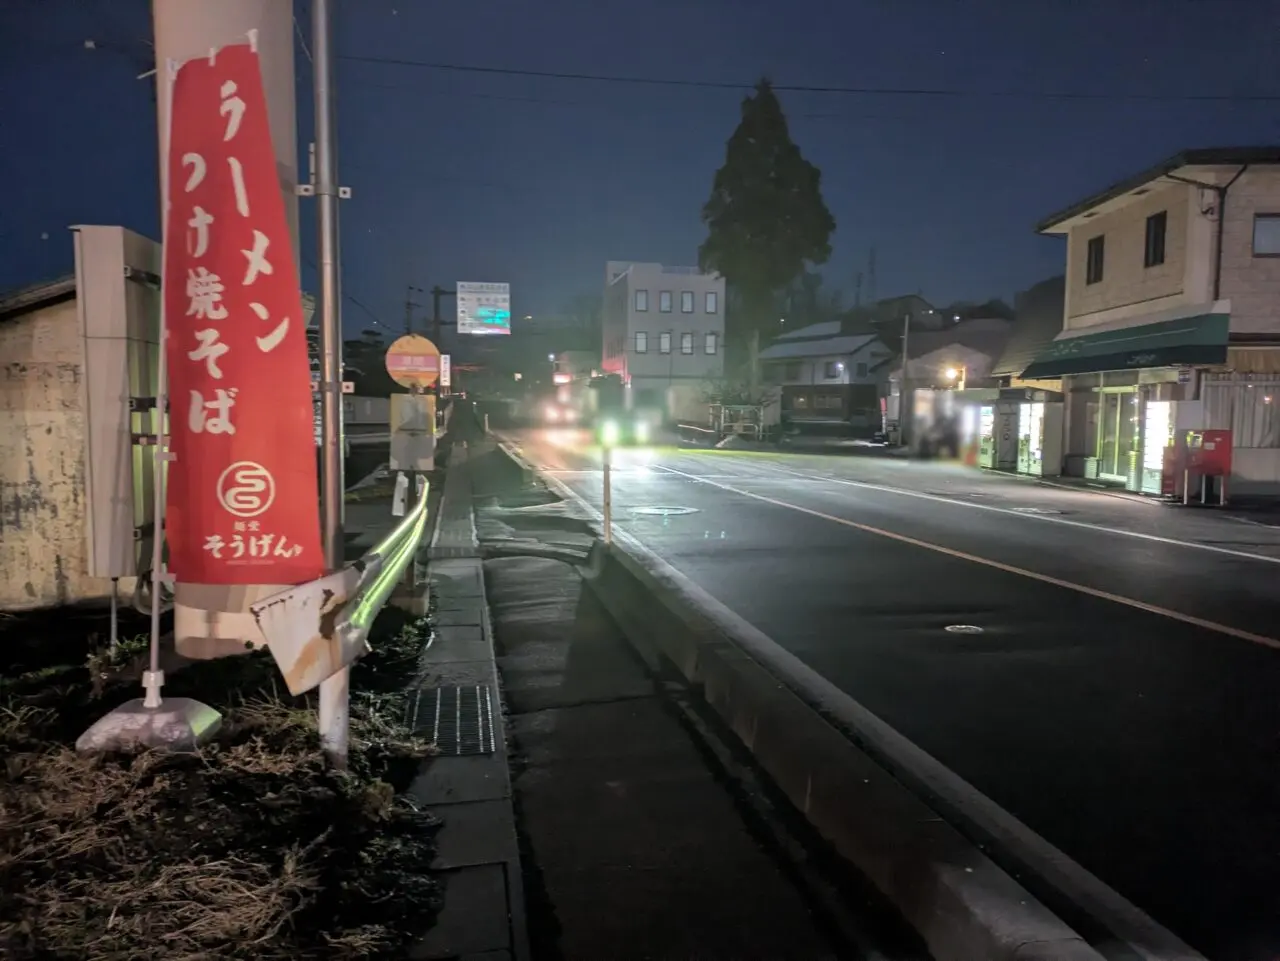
[[951, 373]]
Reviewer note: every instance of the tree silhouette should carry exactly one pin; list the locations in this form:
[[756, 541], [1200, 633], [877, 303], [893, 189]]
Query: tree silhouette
[[766, 219]]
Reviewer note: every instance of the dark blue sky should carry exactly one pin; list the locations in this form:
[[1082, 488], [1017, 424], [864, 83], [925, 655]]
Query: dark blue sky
[[538, 181]]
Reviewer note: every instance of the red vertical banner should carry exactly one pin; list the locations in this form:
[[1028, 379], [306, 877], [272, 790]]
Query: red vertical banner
[[243, 499]]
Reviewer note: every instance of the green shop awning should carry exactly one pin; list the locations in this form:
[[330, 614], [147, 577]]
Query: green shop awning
[[1187, 341]]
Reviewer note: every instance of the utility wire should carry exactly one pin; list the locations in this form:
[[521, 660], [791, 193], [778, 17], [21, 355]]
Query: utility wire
[[377, 321], [804, 88]]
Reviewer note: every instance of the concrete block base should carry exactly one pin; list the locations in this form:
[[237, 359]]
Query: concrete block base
[[178, 724], [414, 603]]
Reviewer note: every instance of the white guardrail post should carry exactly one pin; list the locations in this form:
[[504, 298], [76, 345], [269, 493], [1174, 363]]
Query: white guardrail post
[[317, 629]]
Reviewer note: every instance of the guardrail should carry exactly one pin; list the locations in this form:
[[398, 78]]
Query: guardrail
[[318, 629]]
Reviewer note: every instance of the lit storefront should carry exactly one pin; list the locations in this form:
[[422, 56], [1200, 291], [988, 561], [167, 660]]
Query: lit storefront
[[1013, 429], [1128, 387]]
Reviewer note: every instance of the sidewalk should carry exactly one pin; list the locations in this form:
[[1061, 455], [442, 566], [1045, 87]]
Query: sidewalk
[[458, 707]]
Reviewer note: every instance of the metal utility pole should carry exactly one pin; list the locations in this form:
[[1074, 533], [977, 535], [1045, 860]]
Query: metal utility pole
[[408, 307], [906, 410], [334, 717], [436, 320]]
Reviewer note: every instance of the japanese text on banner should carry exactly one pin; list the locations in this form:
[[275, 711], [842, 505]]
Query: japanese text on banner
[[243, 496]]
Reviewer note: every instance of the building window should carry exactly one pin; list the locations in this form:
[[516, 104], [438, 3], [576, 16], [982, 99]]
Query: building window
[[832, 369], [1266, 235], [713, 301], [712, 343], [1156, 224], [664, 342], [642, 342], [827, 402], [862, 370], [1094, 257], [792, 370], [686, 343], [686, 301], [642, 300], [664, 301]]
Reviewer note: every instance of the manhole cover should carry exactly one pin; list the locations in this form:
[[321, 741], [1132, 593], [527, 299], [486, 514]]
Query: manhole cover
[[1036, 510], [962, 629], [664, 511]]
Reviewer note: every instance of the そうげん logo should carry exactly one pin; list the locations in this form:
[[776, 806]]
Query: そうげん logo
[[246, 489]]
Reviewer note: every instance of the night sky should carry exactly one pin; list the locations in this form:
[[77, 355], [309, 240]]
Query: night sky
[[465, 175]]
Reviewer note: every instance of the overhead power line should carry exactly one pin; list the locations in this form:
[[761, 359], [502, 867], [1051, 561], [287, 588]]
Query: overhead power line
[[806, 88]]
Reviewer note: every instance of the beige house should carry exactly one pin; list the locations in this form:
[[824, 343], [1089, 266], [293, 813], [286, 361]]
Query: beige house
[[1172, 317], [75, 475]]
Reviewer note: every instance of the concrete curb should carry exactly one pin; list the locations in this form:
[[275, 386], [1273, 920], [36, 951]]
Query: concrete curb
[[961, 903], [477, 848], [833, 760]]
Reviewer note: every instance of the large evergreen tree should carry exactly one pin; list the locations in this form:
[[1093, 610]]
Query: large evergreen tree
[[766, 220]]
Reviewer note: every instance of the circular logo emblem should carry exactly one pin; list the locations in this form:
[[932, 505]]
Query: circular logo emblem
[[246, 489]]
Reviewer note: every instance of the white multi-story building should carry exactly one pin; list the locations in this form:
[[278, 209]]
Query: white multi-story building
[[664, 334], [1172, 294]]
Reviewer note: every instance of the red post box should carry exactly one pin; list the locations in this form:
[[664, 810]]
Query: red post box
[[1208, 455]]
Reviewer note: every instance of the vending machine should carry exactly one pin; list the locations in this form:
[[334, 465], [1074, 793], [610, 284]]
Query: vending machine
[[1157, 437], [987, 436], [1040, 439]]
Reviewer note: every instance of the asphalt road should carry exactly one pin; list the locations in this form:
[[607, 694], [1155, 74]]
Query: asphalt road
[[1122, 698]]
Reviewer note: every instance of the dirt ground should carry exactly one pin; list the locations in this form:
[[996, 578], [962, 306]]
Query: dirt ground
[[252, 848]]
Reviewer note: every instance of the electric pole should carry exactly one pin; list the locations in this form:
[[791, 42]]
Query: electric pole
[[906, 409], [436, 320], [334, 717], [410, 290]]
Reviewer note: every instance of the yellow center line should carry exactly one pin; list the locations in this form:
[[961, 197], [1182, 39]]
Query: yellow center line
[[997, 565]]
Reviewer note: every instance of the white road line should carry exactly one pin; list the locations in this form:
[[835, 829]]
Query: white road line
[[1150, 940], [998, 565], [1047, 518]]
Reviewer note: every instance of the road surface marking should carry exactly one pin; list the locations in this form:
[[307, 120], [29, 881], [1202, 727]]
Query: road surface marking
[[1048, 518], [998, 565], [1137, 930]]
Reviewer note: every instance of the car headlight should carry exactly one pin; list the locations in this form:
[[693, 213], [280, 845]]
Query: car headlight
[[609, 433]]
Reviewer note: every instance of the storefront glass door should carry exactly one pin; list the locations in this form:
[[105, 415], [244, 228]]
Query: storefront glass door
[[1117, 433]]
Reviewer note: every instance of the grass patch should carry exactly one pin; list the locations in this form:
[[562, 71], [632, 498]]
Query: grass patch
[[252, 848]]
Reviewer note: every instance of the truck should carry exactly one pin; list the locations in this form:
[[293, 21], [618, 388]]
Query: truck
[[618, 422]]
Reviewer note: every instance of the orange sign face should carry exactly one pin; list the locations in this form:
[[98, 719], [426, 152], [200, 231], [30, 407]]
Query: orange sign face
[[413, 362]]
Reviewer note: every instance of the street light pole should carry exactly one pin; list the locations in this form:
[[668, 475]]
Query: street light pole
[[334, 716]]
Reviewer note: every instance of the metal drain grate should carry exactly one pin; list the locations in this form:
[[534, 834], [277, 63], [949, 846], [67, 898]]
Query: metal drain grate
[[458, 719]]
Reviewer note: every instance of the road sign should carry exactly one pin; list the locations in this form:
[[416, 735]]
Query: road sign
[[446, 371], [484, 309], [413, 361]]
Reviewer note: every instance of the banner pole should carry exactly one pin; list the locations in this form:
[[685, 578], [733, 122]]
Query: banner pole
[[153, 678]]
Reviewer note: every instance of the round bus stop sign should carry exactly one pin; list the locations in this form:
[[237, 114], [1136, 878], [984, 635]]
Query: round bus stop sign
[[413, 362]]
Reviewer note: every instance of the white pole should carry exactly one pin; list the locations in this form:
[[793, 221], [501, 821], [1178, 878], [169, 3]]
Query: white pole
[[608, 496], [153, 677], [334, 719]]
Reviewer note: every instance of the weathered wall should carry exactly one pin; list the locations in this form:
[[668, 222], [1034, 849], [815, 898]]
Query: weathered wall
[[42, 536]]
